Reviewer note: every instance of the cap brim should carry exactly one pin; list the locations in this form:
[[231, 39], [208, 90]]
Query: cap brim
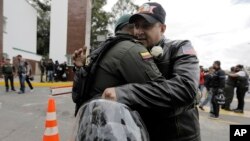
[[147, 17]]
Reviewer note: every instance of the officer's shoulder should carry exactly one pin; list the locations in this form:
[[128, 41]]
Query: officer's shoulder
[[129, 44], [177, 43], [181, 47], [137, 47]]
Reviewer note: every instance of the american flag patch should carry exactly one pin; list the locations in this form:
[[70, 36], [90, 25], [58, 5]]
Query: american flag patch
[[145, 55], [188, 50]]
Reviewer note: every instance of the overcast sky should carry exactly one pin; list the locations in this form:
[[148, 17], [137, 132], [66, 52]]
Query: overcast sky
[[218, 29]]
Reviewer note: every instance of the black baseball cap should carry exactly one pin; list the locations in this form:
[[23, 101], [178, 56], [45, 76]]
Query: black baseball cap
[[152, 12]]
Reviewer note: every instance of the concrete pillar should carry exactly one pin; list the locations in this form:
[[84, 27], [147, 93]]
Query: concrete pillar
[[79, 27], [79, 24]]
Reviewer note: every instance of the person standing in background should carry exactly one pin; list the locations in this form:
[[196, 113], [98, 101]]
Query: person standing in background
[[28, 75], [50, 70], [57, 70], [42, 68], [64, 72], [8, 71], [21, 70], [207, 84], [202, 81], [217, 87]]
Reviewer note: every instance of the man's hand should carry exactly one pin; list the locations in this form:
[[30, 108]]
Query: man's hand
[[109, 94], [79, 57]]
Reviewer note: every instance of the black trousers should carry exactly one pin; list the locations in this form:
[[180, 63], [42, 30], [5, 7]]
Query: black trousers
[[8, 78], [241, 92], [229, 94], [216, 107], [28, 82], [41, 76]]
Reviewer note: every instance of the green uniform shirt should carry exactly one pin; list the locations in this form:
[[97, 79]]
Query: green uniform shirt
[[8, 69]]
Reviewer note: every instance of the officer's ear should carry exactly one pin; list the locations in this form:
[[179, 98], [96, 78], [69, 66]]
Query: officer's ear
[[163, 28]]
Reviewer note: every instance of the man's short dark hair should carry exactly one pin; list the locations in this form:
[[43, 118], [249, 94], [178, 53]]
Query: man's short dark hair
[[232, 68], [19, 55], [217, 62], [240, 66]]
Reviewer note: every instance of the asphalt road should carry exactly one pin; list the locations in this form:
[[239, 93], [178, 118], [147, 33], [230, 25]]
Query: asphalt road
[[22, 117]]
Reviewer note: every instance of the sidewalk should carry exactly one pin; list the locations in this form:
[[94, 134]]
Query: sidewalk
[[36, 82]]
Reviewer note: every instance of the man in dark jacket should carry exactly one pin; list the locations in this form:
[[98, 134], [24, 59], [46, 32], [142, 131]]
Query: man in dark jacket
[[166, 105], [218, 85], [229, 90], [21, 71]]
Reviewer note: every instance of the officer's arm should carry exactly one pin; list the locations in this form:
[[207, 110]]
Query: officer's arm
[[171, 96], [235, 74]]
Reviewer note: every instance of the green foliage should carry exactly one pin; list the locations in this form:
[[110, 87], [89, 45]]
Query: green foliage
[[120, 8], [43, 25], [99, 21]]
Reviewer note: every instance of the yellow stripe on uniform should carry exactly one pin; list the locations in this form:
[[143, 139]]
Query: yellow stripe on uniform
[[145, 55]]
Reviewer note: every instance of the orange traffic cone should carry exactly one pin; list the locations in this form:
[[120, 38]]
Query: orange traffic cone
[[51, 130]]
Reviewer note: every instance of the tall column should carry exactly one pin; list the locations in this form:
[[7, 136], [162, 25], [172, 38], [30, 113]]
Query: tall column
[[79, 22], [1, 29]]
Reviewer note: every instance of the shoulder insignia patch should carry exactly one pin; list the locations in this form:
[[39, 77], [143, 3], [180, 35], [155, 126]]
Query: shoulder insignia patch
[[145, 55], [188, 50]]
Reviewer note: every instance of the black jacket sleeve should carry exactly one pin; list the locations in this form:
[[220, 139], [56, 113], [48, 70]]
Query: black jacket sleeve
[[172, 95], [222, 79]]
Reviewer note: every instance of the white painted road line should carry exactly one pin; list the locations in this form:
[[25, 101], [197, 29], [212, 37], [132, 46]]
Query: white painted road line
[[61, 90]]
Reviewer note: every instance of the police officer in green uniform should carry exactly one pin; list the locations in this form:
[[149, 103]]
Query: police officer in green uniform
[[8, 71], [126, 62]]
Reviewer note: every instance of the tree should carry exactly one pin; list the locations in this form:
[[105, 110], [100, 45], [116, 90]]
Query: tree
[[99, 21], [120, 8], [43, 25]]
